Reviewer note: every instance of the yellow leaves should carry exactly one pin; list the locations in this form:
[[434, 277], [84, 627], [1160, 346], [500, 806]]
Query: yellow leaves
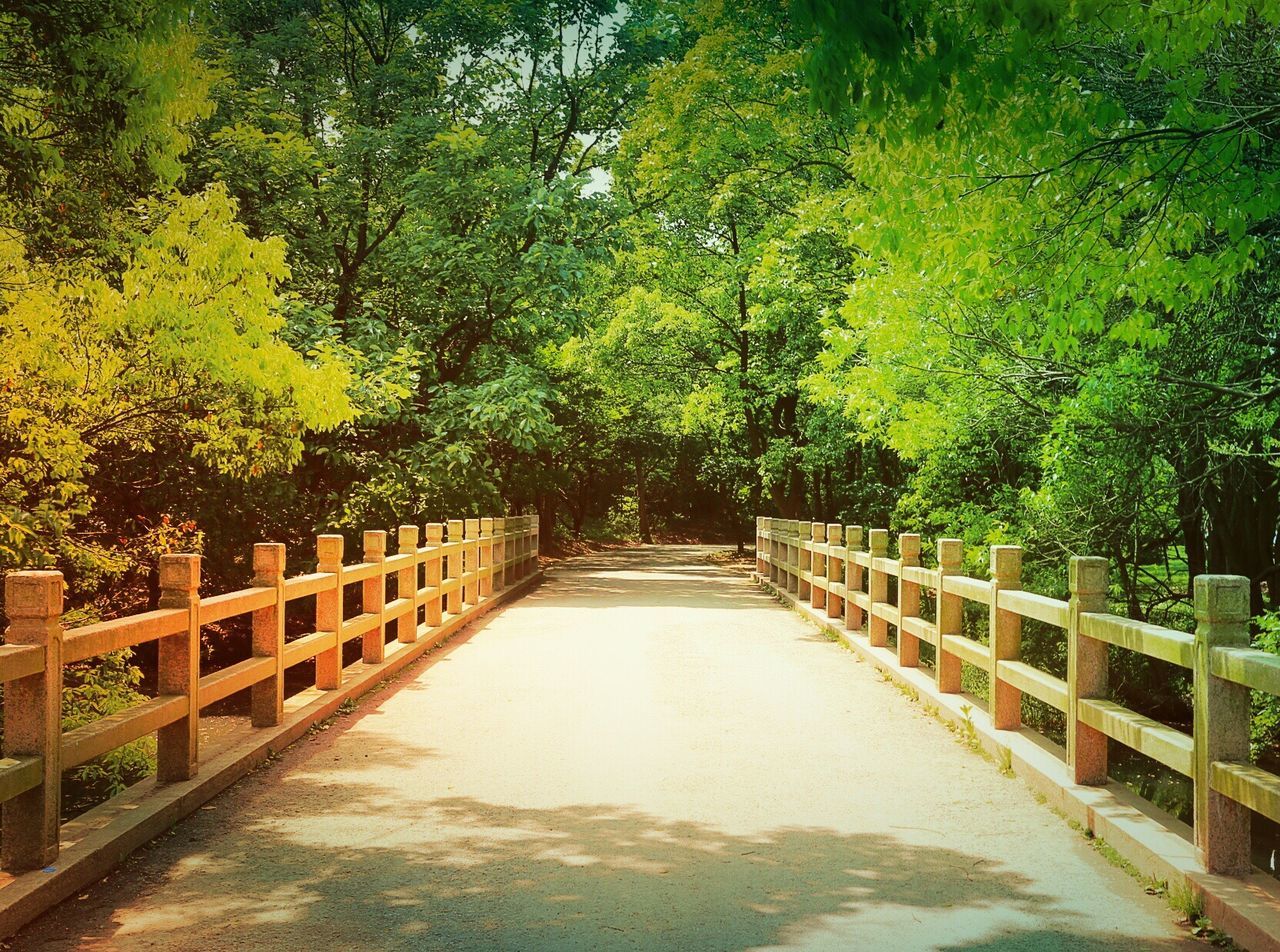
[[179, 84], [187, 349]]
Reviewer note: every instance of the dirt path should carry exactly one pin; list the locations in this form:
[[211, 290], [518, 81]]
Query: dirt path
[[646, 753]]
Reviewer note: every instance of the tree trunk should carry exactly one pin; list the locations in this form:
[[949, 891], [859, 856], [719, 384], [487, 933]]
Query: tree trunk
[[546, 520], [642, 503], [1191, 525], [1243, 512]]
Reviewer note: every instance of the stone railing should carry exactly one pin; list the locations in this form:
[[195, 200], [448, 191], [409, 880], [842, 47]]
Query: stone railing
[[439, 582], [843, 574]]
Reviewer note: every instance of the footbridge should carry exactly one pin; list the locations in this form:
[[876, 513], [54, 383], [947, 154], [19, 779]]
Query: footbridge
[[647, 748]]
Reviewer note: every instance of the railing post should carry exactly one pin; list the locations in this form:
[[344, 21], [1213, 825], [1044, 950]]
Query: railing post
[[329, 611], [1222, 720], [950, 614], [517, 548], [818, 566], [804, 559], [835, 568], [407, 584], [852, 578], [266, 698], [521, 541], [535, 541], [453, 568], [760, 563], [373, 597], [486, 557], [499, 553], [908, 599], [878, 588], [793, 557], [33, 721], [435, 562], [522, 548], [1004, 636], [1086, 669], [178, 669], [774, 570], [470, 562]]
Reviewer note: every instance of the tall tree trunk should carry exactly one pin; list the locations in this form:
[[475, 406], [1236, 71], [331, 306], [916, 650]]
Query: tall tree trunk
[[547, 505], [1243, 511], [642, 501], [1191, 526]]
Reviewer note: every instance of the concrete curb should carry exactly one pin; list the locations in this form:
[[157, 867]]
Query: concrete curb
[[96, 842], [1156, 843]]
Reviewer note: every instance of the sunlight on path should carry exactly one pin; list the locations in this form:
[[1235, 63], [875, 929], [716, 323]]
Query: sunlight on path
[[646, 753]]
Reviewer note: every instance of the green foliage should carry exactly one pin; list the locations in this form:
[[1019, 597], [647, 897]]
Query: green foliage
[[100, 96], [1266, 707], [267, 269], [108, 685], [181, 356]]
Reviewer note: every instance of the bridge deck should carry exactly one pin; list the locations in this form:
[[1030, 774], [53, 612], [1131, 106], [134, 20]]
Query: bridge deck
[[646, 753]]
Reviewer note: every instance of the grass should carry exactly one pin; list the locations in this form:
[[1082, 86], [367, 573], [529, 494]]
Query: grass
[[1181, 898], [1006, 761]]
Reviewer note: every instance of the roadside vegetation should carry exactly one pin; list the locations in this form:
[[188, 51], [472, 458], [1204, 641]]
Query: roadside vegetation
[[1001, 271]]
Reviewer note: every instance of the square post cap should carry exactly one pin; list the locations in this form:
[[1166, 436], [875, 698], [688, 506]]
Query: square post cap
[[33, 594]]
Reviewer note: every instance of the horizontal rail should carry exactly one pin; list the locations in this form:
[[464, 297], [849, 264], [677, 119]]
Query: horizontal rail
[[1159, 742], [886, 611], [397, 607], [928, 578], [218, 607], [1051, 611], [107, 733], [919, 628], [20, 661], [236, 677], [887, 566], [18, 775], [1251, 667], [395, 563], [93, 640], [308, 646], [357, 626], [974, 589], [1151, 640], [1031, 680], [1252, 786], [360, 571], [966, 649], [300, 586]]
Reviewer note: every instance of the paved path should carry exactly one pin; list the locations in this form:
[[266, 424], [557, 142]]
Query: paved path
[[646, 753]]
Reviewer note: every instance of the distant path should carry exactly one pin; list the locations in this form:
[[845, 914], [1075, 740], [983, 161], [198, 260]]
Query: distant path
[[646, 753]]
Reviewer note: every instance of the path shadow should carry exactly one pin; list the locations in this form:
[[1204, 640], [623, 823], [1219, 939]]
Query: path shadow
[[340, 869], [335, 849]]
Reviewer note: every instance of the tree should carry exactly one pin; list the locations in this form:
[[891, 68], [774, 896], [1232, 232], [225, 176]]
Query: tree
[[1061, 209], [438, 171]]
